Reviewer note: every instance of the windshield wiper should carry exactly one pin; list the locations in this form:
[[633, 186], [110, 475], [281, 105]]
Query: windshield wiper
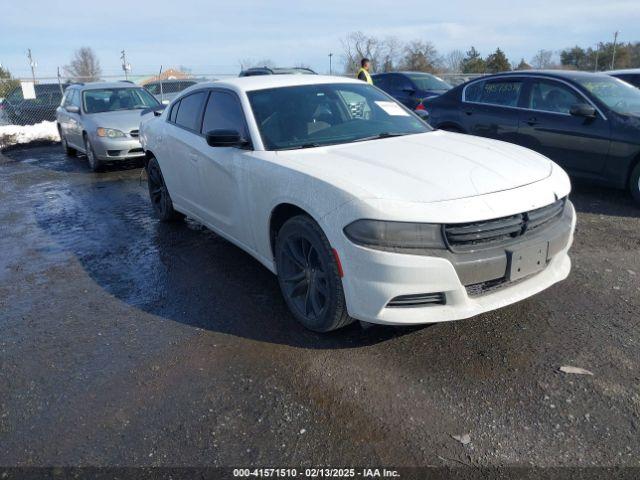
[[304, 145], [381, 135]]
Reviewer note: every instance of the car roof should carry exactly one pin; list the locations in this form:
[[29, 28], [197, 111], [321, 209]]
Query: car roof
[[261, 82], [573, 75], [100, 85], [623, 71]]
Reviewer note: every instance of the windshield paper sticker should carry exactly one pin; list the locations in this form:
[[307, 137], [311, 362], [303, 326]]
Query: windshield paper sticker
[[392, 108]]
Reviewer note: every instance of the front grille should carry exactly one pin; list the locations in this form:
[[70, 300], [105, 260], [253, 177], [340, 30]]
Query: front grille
[[418, 300], [136, 150], [469, 236], [490, 286], [134, 133]]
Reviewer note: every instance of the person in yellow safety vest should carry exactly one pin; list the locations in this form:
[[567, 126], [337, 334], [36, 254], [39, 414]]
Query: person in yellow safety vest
[[363, 73]]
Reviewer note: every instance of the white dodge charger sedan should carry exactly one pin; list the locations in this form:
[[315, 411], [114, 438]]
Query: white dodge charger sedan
[[361, 209]]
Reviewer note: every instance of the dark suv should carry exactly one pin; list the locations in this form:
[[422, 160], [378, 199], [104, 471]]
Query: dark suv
[[27, 112], [588, 123]]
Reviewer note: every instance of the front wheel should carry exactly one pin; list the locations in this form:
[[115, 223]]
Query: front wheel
[[159, 195], [309, 276], [94, 163], [634, 183]]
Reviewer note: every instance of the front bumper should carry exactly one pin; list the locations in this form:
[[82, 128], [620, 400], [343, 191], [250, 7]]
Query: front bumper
[[376, 277], [114, 149]]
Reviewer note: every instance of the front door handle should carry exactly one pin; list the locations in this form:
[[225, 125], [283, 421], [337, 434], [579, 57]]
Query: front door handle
[[468, 112], [532, 121]]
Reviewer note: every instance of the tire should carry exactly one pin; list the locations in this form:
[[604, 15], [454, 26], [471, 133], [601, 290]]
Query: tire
[[70, 152], [309, 277], [159, 195], [94, 163], [453, 129], [634, 183]]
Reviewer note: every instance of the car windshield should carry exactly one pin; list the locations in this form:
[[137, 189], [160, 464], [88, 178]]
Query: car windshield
[[112, 99], [424, 81], [315, 115], [619, 96]]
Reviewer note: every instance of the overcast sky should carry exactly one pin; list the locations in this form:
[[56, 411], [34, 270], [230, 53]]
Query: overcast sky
[[211, 37]]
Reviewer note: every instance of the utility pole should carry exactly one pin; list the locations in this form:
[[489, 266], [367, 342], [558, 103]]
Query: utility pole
[[597, 55], [60, 82], [33, 64], [330, 67], [613, 58], [126, 67]]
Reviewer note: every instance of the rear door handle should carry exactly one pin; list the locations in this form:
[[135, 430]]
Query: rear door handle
[[468, 112]]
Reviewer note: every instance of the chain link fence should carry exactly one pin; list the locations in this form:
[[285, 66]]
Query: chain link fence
[[28, 106]]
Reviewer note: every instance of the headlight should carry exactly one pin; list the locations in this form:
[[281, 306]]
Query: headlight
[[392, 235], [110, 132]]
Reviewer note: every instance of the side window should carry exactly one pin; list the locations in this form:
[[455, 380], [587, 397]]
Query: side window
[[473, 92], [190, 111], [402, 82], [497, 92], [66, 99], [224, 112], [174, 112], [549, 96], [75, 99]]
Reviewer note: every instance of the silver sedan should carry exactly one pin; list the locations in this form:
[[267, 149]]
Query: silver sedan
[[101, 120]]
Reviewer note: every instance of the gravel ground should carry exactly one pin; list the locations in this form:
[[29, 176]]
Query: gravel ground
[[130, 342]]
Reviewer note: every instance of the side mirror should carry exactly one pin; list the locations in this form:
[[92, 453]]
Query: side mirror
[[582, 110], [225, 138], [157, 111], [72, 109]]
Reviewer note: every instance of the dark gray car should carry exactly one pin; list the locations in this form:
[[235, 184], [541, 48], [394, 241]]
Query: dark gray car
[[102, 120]]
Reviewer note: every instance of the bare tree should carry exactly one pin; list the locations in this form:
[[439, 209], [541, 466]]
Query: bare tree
[[453, 61], [390, 51], [420, 56], [357, 46], [84, 66], [542, 59]]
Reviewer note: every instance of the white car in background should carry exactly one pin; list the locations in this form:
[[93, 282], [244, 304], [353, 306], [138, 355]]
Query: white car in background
[[361, 209]]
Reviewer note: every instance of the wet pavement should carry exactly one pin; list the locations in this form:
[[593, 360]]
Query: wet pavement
[[125, 341]]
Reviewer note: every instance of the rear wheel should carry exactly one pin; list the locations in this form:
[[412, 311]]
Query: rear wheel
[[634, 183], [94, 163], [309, 277], [159, 195], [451, 128]]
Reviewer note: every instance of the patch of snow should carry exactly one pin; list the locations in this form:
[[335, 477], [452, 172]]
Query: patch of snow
[[12, 134]]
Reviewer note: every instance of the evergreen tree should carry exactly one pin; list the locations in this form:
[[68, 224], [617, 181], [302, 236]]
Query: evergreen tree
[[473, 62], [497, 62]]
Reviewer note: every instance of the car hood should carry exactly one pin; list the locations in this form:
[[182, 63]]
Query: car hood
[[430, 167], [124, 120]]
